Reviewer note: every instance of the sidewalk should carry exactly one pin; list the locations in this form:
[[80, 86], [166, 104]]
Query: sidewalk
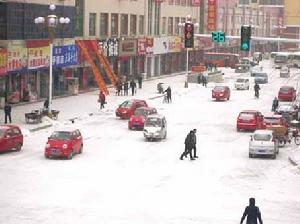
[[72, 107]]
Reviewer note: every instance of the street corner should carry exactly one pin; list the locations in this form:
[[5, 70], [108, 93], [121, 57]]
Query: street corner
[[295, 158]]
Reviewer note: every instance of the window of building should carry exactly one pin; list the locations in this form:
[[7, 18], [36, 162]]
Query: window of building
[[177, 2], [164, 24], [133, 25], [124, 24], [103, 24], [176, 30], [141, 24], [157, 18], [171, 2], [170, 26], [79, 17], [150, 15], [92, 24], [114, 24], [181, 29]]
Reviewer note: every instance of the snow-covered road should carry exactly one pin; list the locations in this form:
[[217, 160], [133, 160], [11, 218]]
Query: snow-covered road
[[121, 179]]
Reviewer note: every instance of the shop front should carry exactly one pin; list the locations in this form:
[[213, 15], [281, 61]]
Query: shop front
[[160, 49], [3, 70], [174, 52], [128, 58]]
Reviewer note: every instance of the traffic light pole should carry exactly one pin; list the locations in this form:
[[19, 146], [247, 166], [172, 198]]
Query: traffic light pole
[[187, 68]]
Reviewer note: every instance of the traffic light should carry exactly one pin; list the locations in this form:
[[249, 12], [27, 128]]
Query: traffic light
[[218, 36], [245, 38], [188, 35]]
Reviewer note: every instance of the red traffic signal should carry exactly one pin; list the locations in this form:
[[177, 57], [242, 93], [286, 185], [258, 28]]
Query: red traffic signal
[[188, 35]]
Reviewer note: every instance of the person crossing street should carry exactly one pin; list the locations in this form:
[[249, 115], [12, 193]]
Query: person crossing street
[[188, 146]]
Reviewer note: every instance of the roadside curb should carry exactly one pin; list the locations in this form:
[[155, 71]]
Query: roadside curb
[[40, 128]]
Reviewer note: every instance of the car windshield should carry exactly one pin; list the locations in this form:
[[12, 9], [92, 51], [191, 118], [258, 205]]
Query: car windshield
[[60, 135], [2, 131], [153, 122], [285, 89], [246, 116], [262, 137], [260, 75], [126, 104], [272, 120], [241, 80], [140, 112], [285, 108], [219, 88]]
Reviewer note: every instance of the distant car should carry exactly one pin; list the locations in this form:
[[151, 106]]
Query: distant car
[[242, 68], [241, 84], [155, 127], [261, 77], [257, 56], [137, 120], [249, 120], [287, 93], [11, 138], [276, 119], [221, 93], [262, 142], [127, 108], [64, 143], [288, 111], [284, 72]]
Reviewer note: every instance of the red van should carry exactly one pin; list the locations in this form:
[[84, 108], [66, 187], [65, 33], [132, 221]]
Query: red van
[[137, 120], [64, 143], [250, 120], [11, 137], [127, 108]]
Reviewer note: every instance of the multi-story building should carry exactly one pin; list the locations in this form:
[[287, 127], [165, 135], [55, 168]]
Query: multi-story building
[[291, 28], [25, 54]]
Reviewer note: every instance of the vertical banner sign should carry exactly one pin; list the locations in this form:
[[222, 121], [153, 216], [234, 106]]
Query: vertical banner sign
[[3, 61], [65, 56], [38, 57], [16, 59], [211, 15], [142, 46]]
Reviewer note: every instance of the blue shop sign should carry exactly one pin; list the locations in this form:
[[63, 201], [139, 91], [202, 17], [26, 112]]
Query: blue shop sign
[[65, 55]]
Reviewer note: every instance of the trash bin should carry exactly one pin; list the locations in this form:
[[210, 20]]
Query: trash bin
[[73, 85]]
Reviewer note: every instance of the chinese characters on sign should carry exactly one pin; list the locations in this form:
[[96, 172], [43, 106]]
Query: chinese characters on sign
[[38, 57], [145, 46], [3, 61], [110, 47], [65, 56], [211, 15], [175, 44], [17, 59]]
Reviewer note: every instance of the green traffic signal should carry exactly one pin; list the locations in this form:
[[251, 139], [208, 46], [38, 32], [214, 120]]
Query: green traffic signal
[[245, 38], [245, 46]]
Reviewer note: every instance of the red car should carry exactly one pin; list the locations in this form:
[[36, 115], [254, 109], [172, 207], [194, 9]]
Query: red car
[[64, 143], [287, 93], [11, 137], [221, 93], [250, 120], [127, 108], [137, 120]]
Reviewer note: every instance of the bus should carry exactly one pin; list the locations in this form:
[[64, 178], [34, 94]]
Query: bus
[[295, 57], [221, 59], [282, 58]]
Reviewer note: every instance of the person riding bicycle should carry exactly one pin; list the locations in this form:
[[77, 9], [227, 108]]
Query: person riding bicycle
[[256, 90]]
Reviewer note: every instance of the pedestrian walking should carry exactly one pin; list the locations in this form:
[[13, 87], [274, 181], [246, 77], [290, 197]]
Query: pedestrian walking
[[140, 80], [102, 99], [125, 88], [275, 104], [204, 81], [194, 138], [119, 88], [199, 78], [252, 212], [7, 112], [169, 94], [188, 146], [46, 104], [132, 86]]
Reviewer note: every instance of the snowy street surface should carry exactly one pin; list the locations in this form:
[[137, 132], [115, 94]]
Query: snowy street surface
[[122, 179]]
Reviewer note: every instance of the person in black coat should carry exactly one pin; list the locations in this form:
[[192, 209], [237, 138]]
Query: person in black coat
[[194, 138], [188, 146], [132, 86], [140, 80], [46, 104], [169, 94], [256, 89], [275, 104], [7, 112], [125, 88], [252, 212]]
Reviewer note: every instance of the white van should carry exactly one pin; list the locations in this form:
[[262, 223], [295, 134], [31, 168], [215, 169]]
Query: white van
[[155, 127]]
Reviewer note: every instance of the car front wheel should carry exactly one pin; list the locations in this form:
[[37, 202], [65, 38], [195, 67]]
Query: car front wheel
[[80, 150], [70, 155], [18, 147]]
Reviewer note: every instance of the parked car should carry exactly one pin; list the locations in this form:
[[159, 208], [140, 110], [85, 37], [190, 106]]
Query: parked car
[[288, 111], [260, 77], [137, 120], [221, 93], [287, 93], [242, 84], [284, 72], [11, 138], [155, 127], [250, 120], [64, 143], [127, 108], [262, 142]]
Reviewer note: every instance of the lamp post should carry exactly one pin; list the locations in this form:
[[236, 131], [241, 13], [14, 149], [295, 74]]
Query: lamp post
[[51, 22], [188, 21]]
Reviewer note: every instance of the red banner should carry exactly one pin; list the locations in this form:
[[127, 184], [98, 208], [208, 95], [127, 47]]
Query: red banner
[[3, 61], [211, 15]]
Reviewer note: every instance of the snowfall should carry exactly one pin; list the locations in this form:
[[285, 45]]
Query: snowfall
[[122, 179]]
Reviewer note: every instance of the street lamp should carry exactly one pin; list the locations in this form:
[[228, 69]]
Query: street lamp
[[188, 21], [51, 22]]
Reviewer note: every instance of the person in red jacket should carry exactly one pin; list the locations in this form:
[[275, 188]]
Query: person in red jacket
[[102, 99]]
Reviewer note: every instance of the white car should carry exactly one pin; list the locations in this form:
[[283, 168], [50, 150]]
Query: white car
[[242, 83], [262, 142], [155, 127]]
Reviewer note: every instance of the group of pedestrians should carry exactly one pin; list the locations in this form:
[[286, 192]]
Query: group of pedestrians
[[202, 79], [190, 145], [123, 87]]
